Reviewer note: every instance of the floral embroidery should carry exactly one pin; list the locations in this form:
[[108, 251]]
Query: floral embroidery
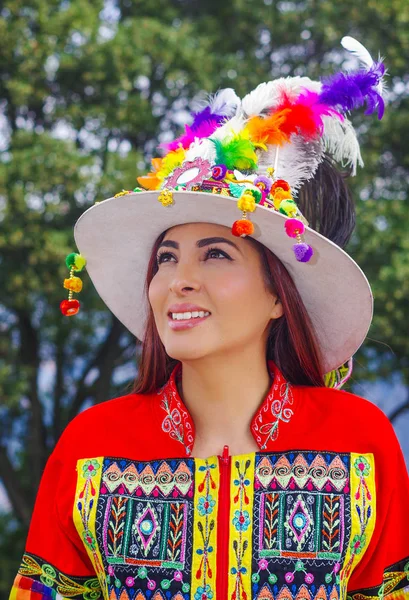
[[278, 405], [297, 521], [205, 531], [177, 423], [363, 517], [37, 575]]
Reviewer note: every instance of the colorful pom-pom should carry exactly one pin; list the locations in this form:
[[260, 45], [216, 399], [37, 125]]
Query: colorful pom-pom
[[303, 252], [263, 183], [294, 227], [219, 172], [288, 207], [74, 284], [69, 307], [256, 193], [246, 202], [280, 183], [242, 228], [279, 195], [76, 261]]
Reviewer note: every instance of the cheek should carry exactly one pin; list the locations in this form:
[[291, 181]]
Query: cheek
[[238, 292], [156, 293]]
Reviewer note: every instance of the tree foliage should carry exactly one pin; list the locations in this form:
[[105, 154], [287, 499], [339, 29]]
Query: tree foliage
[[87, 89]]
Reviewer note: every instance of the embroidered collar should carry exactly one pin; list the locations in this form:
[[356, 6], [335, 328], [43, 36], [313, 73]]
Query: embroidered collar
[[276, 407]]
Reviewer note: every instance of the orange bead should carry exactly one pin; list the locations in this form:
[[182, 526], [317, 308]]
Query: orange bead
[[69, 307]]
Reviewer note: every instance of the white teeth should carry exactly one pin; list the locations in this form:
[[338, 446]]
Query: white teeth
[[189, 315]]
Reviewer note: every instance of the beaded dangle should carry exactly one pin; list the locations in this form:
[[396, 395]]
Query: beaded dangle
[[75, 263]]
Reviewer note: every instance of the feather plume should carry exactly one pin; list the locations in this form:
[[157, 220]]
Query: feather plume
[[236, 153], [268, 95], [220, 107], [348, 91], [230, 128], [341, 143], [267, 130], [202, 148], [304, 115], [297, 161]]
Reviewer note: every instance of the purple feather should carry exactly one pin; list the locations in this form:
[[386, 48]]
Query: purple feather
[[204, 124], [348, 91]]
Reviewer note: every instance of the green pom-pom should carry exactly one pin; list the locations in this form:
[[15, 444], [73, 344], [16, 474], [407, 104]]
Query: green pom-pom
[[288, 207], [256, 193], [75, 260], [236, 153]]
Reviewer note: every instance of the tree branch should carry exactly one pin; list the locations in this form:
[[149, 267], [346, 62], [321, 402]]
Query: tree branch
[[19, 499]]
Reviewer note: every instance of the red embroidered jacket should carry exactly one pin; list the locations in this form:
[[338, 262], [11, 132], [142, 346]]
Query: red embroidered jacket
[[319, 512]]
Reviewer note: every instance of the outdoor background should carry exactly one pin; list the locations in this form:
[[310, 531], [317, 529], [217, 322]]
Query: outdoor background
[[87, 89]]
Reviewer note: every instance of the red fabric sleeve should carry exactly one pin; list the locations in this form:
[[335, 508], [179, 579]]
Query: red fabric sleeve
[[54, 561], [384, 570]]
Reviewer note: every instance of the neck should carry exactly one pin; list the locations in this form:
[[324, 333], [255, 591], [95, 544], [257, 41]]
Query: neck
[[222, 397]]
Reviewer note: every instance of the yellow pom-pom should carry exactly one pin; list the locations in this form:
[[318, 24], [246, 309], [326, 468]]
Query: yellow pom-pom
[[74, 284], [279, 195], [79, 262], [247, 203], [289, 208]]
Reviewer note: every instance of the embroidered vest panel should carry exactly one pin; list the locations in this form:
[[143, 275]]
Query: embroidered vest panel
[[261, 526]]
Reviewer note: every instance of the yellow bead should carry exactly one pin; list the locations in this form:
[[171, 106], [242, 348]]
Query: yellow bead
[[166, 197]]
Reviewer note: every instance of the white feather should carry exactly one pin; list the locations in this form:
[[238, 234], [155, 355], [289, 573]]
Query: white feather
[[224, 102], [358, 50], [229, 129], [362, 54], [297, 161], [341, 143], [268, 95], [201, 148]]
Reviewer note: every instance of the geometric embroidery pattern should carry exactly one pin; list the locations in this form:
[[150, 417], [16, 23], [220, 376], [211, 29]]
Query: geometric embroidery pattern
[[302, 519], [143, 515], [298, 524]]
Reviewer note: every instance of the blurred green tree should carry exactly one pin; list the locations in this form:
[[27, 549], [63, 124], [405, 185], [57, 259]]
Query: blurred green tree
[[87, 89]]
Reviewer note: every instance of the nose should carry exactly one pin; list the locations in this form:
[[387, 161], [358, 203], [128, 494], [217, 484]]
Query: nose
[[184, 279]]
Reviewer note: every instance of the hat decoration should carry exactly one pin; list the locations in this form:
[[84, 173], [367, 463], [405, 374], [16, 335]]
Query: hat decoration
[[262, 149], [258, 152]]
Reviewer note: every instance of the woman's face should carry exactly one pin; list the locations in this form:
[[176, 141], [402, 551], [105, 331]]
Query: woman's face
[[204, 268]]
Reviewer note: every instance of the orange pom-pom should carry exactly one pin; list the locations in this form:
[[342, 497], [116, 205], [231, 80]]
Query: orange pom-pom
[[242, 228]]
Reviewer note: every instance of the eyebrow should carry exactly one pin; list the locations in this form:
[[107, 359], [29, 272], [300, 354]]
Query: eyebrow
[[201, 243]]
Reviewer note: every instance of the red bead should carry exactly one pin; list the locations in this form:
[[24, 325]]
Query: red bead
[[69, 307]]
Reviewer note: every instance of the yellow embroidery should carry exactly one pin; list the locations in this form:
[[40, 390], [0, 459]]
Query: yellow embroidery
[[207, 483], [241, 526], [84, 513], [363, 513]]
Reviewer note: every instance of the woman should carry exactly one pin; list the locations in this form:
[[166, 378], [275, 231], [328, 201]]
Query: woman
[[231, 471]]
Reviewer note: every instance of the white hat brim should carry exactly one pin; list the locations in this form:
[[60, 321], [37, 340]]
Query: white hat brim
[[116, 237]]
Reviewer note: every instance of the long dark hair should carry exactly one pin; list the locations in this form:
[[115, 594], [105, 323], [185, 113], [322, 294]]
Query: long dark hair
[[292, 342]]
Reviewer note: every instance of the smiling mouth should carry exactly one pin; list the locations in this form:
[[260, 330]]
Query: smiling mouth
[[187, 316]]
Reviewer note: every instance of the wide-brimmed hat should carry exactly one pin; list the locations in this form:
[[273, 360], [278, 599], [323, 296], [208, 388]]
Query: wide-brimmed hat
[[240, 164]]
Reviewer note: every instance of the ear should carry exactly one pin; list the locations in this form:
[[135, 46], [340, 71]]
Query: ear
[[277, 310]]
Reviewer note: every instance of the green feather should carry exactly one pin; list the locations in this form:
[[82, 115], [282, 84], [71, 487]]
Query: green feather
[[236, 153]]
